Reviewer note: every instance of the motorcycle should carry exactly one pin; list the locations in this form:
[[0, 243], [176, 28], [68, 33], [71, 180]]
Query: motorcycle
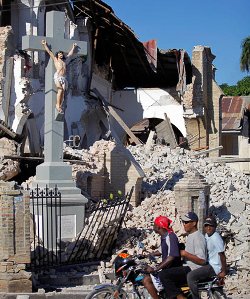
[[130, 269]]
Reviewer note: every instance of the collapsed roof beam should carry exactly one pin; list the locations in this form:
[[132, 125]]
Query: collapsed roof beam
[[126, 62]]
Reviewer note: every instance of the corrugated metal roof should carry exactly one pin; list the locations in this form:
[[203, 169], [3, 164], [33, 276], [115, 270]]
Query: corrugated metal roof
[[232, 113]]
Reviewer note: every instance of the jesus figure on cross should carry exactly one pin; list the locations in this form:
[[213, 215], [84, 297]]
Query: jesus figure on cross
[[60, 75]]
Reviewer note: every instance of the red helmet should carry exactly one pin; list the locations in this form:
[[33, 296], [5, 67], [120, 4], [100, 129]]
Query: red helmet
[[164, 222]]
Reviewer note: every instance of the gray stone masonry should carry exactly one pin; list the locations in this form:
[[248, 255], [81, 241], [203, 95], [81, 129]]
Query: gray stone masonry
[[192, 194]]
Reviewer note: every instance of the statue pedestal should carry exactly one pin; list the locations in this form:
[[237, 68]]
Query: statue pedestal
[[63, 216]]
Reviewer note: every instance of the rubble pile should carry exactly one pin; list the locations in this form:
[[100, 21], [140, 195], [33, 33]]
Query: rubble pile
[[229, 202], [138, 222], [163, 168], [8, 168], [92, 159]]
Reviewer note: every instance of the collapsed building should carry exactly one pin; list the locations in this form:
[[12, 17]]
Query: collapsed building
[[124, 90], [129, 74]]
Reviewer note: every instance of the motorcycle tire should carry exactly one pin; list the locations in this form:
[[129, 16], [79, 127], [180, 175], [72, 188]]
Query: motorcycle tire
[[215, 294], [106, 293]]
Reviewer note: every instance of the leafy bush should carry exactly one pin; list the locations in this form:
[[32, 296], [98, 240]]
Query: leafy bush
[[242, 88]]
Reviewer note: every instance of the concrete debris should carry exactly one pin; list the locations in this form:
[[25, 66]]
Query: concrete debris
[[8, 168], [91, 161], [163, 168], [229, 202], [92, 158]]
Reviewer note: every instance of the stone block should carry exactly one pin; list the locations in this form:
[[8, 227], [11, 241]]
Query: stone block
[[236, 207], [15, 285]]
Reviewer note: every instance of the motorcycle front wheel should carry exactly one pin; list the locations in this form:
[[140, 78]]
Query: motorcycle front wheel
[[217, 295], [107, 293]]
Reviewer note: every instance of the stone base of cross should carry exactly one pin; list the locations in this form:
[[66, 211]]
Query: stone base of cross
[[54, 172]]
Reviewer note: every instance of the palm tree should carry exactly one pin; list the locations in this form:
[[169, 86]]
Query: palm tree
[[245, 55]]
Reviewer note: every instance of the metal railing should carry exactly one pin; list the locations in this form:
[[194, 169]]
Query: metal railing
[[45, 206], [98, 237]]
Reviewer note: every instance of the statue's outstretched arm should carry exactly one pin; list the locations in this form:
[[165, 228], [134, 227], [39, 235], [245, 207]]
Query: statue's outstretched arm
[[47, 49], [72, 50]]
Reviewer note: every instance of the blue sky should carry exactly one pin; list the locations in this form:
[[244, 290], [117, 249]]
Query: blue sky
[[183, 24]]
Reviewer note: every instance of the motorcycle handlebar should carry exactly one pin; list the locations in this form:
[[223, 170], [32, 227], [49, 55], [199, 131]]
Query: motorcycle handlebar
[[149, 256]]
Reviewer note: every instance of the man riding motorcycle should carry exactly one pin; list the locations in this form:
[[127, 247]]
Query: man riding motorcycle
[[169, 250]]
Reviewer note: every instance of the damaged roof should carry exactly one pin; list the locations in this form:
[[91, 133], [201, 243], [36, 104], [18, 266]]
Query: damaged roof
[[232, 113], [116, 45]]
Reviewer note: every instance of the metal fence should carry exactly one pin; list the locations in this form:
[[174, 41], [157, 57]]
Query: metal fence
[[45, 207], [103, 220]]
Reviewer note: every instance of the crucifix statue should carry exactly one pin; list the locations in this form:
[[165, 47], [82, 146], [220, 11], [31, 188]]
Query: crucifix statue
[[60, 75], [53, 170]]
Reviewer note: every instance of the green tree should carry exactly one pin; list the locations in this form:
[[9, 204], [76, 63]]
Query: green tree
[[245, 55], [242, 88]]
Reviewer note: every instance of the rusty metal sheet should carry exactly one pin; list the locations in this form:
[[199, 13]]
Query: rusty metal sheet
[[232, 113]]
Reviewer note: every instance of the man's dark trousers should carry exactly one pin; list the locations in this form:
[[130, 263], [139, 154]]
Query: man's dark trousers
[[172, 279], [200, 274]]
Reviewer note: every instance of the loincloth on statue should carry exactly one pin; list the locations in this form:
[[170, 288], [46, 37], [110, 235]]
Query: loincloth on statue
[[61, 80]]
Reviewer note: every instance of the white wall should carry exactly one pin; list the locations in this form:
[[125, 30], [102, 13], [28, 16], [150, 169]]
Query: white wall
[[82, 115], [244, 152], [27, 21], [147, 103]]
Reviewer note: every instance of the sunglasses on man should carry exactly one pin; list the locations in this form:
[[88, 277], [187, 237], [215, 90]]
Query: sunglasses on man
[[186, 222]]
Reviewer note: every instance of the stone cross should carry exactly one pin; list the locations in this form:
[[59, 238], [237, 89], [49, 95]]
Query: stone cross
[[53, 129], [54, 171]]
